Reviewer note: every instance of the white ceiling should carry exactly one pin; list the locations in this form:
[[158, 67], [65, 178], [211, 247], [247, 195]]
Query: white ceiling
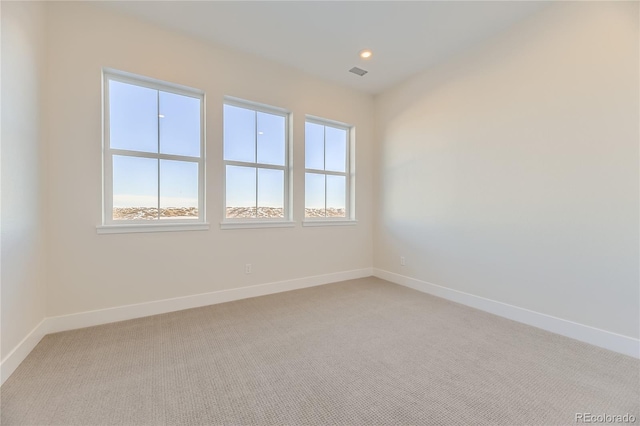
[[323, 38]]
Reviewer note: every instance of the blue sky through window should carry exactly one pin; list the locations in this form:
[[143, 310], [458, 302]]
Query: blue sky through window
[[325, 150], [254, 137], [148, 120]]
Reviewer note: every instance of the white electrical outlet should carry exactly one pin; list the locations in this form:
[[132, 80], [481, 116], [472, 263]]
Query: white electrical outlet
[[247, 268], [402, 261]]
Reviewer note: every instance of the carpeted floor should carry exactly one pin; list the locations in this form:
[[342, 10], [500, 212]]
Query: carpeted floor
[[361, 352]]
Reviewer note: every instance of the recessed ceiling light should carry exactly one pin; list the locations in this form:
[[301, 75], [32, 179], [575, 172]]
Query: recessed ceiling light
[[366, 54], [161, 115], [261, 133]]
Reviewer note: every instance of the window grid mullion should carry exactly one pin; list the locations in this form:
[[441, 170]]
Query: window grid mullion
[[325, 172], [258, 165], [158, 136], [152, 155], [324, 166], [255, 149]]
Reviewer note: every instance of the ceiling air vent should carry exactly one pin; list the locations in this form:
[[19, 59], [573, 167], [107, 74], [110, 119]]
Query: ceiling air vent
[[358, 71]]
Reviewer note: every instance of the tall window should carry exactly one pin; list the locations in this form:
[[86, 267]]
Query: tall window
[[327, 170], [153, 151], [256, 162]]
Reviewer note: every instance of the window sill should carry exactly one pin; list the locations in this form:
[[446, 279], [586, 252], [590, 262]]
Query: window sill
[[257, 224], [324, 222], [159, 227]]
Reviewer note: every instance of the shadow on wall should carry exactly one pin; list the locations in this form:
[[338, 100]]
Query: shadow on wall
[[511, 172]]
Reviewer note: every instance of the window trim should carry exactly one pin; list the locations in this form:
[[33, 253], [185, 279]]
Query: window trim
[[349, 174], [276, 222], [108, 224]]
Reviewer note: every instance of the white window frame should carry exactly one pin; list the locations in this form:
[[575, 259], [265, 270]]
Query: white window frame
[[287, 220], [109, 225], [349, 174]]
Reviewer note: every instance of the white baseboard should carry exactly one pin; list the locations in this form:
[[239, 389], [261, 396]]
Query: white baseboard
[[9, 364], [584, 333], [122, 313]]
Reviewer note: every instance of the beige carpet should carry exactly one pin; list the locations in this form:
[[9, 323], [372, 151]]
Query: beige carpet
[[362, 352]]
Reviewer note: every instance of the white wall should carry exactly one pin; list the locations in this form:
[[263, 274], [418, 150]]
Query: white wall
[[87, 271], [511, 172], [22, 285]]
